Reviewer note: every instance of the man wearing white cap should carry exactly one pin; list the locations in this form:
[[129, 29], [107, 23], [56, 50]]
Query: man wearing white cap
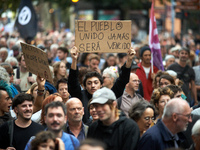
[[118, 132]]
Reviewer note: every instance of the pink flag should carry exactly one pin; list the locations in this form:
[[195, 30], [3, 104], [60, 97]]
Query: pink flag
[[154, 41]]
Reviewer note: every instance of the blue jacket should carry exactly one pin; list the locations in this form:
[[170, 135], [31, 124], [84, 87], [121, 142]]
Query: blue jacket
[[157, 138], [69, 142]]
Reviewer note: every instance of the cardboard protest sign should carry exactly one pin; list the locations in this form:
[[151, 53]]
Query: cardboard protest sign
[[36, 61], [102, 36]]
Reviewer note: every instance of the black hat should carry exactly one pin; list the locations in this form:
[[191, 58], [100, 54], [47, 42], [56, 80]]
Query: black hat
[[143, 49], [134, 65]]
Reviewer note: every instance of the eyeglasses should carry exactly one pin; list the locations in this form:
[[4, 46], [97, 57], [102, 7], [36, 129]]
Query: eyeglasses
[[188, 115], [135, 81], [11, 74], [148, 118]]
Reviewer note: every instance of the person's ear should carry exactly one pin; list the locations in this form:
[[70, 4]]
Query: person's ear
[[16, 110], [115, 103], [83, 111], [174, 117]]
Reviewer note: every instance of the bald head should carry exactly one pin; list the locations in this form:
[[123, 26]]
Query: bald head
[[73, 100], [75, 110], [133, 82]]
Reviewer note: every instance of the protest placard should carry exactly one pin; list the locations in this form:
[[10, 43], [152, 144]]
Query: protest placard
[[103, 36], [36, 61]]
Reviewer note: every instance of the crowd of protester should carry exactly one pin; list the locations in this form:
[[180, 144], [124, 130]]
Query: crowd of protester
[[100, 101]]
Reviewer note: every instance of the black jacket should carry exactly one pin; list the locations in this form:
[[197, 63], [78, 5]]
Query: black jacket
[[84, 96], [123, 134]]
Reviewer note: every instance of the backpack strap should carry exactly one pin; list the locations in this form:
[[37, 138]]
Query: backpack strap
[[18, 73], [10, 131], [29, 74]]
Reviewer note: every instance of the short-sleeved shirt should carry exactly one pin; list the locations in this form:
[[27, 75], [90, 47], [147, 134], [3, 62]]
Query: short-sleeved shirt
[[20, 135], [187, 77]]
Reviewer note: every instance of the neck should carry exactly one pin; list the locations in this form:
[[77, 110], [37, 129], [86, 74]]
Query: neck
[[182, 64], [1, 113], [22, 122], [75, 124], [110, 86], [65, 100], [59, 76], [58, 134], [170, 125], [110, 121], [130, 91], [146, 65], [22, 69]]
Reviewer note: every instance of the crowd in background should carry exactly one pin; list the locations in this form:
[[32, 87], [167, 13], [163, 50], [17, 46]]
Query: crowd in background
[[141, 95]]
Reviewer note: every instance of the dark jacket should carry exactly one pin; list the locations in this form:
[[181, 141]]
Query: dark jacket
[[84, 96], [123, 134], [157, 138]]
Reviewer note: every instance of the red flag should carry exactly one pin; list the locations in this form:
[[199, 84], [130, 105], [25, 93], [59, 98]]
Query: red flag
[[154, 41]]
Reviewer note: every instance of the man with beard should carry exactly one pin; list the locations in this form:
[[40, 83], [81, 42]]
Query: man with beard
[[23, 127], [55, 119], [163, 135], [145, 72], [186, 74], [74, 125]]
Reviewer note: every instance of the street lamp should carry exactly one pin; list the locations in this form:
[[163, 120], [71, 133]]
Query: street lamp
[[75, 1]]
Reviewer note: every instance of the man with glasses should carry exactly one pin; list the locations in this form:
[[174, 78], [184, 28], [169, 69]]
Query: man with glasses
[[163, 135], [130, 96]]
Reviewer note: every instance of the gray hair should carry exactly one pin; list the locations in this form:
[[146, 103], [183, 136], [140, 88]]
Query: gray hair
[[4, 49], [138, 108], [112, 72], [10, 40], [11, 59], [196, 128], [173, 106], [4, 75], [53, 46]]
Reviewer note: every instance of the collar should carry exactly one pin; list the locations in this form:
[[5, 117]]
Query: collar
[[82, 127], [168, 132], [128, 95]]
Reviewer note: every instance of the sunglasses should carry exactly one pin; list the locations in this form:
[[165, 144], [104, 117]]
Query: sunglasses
[[11, 74]]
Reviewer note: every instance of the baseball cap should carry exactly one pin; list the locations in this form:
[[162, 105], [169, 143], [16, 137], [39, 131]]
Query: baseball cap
[[102, 95], [134, 65]]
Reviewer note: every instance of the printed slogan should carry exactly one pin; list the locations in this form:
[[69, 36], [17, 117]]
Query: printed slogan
[[103, 36]]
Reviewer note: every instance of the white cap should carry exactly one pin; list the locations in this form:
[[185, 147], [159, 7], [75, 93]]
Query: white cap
[[102, 95]]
